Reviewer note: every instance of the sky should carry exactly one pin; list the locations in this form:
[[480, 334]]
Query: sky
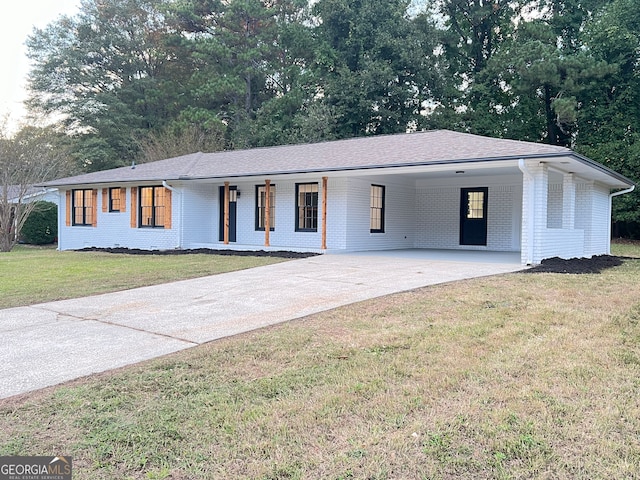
[[16, 23]]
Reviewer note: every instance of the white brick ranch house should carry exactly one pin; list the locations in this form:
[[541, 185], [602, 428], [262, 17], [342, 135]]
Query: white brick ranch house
[[436, 189]]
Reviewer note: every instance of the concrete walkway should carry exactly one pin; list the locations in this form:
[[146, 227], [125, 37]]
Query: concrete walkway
[[50, 343]]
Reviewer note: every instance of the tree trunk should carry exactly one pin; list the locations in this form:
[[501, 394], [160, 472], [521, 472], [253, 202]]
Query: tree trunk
[[551, 125], [247, 98], [7, 232]]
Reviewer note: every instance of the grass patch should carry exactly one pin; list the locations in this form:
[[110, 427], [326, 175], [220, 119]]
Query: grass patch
[[625, 248], [513, 376], [34, 274]]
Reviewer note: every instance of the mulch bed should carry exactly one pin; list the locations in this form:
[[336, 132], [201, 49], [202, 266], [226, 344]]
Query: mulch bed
[[595, 264], [206, 251]]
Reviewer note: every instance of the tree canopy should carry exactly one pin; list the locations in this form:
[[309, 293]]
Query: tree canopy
[[138, 79], [32, 156]]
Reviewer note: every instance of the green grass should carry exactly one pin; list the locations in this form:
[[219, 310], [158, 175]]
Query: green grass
[[506, 377], [32, 275], [625, 248]]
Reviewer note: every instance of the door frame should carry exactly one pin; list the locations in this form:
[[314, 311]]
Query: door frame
[[233, 213], [479, 225]]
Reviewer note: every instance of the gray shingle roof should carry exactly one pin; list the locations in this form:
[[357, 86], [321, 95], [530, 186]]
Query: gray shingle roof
[[420, 148], [26, 191]]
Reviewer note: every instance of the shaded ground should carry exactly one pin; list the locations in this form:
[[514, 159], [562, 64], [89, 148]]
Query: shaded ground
[[595, 264], [207, 251]]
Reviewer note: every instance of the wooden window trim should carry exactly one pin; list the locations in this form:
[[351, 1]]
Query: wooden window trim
[[134, 207], [105, 199], [94, 207], [123, 200], [167, 209], [67, 219]]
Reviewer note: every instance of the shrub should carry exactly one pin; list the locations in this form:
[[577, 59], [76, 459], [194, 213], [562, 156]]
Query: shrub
[[41, 227]]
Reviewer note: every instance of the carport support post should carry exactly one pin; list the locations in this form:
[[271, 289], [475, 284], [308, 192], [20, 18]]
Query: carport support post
[[324, 213], [267, 211], [535, 193], [226, 213]]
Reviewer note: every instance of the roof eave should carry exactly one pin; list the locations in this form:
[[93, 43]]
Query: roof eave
[[320, 170], [604, 169], [371, 167]]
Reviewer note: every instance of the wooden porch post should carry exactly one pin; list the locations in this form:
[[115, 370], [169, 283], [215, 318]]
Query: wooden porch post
[[324, 213], [267, 211], [226, 213]]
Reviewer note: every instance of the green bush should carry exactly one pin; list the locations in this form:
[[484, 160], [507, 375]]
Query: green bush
[[41, 227]]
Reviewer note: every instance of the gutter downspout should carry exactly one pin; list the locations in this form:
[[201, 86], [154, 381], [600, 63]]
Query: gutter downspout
[[174, 190], [611, 195], [531, 213], [166, 185]]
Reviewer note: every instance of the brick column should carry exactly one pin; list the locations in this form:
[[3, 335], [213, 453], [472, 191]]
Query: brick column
[[535, 184]]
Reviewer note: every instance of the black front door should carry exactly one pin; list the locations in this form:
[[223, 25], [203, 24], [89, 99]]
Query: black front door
[[233, 197], [473, 216]]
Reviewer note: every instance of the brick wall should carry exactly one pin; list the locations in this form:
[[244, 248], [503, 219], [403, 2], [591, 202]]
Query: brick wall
[[113, 229], [570, 219], [438, 216], [418, 214], [600, 236], [554, 206], [199, 214], [561, 243], [398, 220]]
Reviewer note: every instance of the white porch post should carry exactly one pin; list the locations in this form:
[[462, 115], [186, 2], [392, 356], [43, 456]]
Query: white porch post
[[324, 213], [568, 201], [535, 184]]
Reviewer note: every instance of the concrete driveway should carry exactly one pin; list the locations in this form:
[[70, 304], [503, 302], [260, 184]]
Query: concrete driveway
[[50, 343]]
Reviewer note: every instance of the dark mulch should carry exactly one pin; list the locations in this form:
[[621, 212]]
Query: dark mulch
[[595, 264], [206, 251]]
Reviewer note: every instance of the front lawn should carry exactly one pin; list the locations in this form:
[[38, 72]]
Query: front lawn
[[30, 275], [513, 376]]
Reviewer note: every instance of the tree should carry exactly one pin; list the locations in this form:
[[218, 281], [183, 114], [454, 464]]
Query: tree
[[470, 33], [30, 157], [531, 89], [610, 118], [291, 83], [115, 69], [181, 138], [248, 58], [373, 65], [474, 31], [520, 71]]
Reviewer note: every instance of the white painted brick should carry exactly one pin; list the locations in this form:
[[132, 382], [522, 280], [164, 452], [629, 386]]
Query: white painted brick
[[420, 213], [114, 229], [438, 218], [555, 205]]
